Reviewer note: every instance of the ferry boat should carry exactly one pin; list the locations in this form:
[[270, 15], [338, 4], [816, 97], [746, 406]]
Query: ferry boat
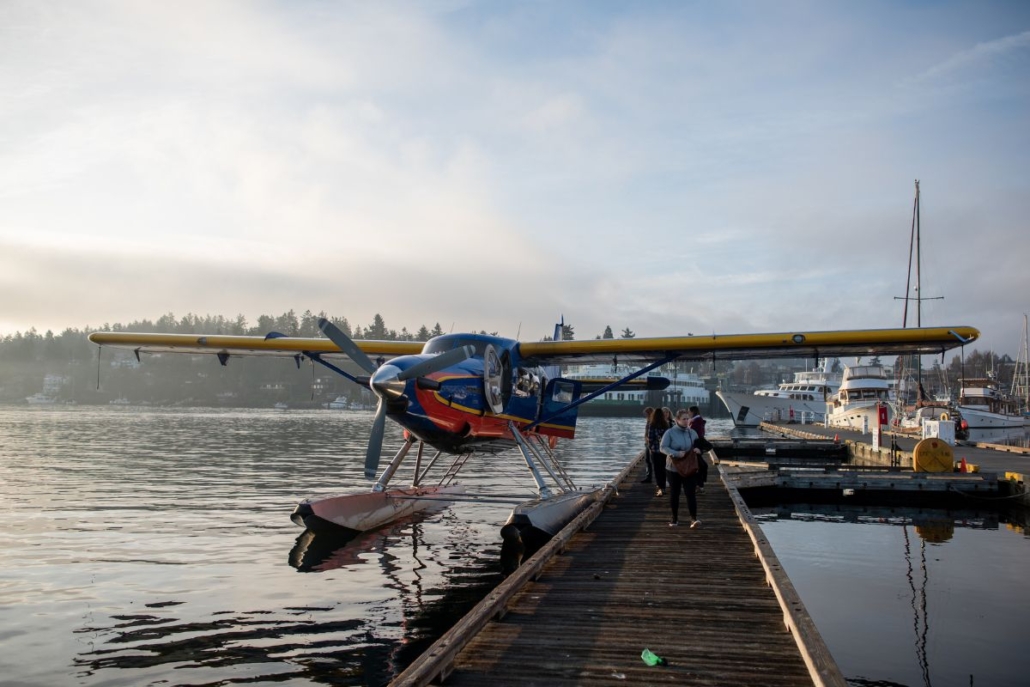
[[685, 389], [983, 406], [809, 393], [864, 389]]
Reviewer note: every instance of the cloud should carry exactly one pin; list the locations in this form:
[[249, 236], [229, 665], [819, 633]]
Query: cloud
[[982, 55], [668, 168]]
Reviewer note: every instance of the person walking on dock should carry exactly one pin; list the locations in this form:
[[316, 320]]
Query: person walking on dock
[[677, 444], [697, 423], [655, 433], [648, 412]]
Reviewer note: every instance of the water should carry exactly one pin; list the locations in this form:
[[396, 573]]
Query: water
[[153, 546], [902, 604]]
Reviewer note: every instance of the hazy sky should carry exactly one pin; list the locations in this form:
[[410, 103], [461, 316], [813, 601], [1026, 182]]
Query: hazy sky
[[669, 167]]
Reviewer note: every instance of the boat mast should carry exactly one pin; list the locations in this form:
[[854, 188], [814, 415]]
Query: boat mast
[[914, 249], [1021, 379]]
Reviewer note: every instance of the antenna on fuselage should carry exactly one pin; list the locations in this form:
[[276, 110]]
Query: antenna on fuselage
[[518, 331]]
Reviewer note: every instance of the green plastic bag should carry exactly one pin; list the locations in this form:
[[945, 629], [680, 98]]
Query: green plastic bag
[[651, 658]]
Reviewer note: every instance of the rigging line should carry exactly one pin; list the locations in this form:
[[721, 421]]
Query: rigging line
[[99, 349]]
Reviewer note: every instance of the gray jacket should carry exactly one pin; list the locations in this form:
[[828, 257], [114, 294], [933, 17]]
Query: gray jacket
[[676, 442]]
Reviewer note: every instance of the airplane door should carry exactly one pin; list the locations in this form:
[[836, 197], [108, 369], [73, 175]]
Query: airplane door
[[493, 375]]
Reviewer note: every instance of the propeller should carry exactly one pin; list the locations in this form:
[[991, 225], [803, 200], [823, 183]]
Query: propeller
[[438, 362], [390, 381], [345, 344]]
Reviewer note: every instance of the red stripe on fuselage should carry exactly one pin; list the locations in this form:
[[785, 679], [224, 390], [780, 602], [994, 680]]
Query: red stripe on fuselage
[[454, 417]]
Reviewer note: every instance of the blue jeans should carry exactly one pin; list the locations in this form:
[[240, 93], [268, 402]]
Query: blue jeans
[[689, 485]]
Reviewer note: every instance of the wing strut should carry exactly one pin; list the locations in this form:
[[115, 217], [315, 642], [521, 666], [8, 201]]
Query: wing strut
[[591, 396], [387, 475], [554, 469]]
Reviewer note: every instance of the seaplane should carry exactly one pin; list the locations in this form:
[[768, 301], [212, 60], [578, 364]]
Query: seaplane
[[471, 396]]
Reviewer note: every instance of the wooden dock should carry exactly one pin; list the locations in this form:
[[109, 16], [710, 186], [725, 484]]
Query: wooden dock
[[712, 601]]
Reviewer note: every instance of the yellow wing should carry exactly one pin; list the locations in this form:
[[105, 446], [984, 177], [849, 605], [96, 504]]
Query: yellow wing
[[247, 345], [856, 342]]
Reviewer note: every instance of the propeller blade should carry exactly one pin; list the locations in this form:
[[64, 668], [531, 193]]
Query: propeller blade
[[336, 335], [436, 363], [375, 441]]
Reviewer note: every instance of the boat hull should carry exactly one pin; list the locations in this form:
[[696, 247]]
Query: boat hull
[[858, 417], [749, 410], [370, 510], [983, 419]]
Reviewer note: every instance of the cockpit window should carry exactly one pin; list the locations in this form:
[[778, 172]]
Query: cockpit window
[[448, 343]]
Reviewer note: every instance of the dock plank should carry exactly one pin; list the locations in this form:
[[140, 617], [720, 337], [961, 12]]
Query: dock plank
[[697, 597]]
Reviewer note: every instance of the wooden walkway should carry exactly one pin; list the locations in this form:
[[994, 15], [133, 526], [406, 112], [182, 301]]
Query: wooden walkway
[[697, 597]]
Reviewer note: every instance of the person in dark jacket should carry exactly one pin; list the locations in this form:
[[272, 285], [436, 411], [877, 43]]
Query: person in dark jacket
[[656, 430], [648, 412], [697, 423]]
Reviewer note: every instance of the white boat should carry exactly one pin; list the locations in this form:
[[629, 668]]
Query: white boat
[[338, 403], [809, 393], [40, 399], [864, 389], [280, 406], [685, 389], [984, 406]]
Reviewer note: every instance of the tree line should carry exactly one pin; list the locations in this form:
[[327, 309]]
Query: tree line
[[71, 365]]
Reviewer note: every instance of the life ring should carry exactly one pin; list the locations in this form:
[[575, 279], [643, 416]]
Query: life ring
[[944, 417]]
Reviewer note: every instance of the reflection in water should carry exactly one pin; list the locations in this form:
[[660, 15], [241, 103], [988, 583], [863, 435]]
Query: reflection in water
[[1008, 436], [326, 550], [905, 570], [303, 642], [513, 549], [920, 618]]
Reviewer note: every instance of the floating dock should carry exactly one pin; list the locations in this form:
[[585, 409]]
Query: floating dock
[[712, 601]]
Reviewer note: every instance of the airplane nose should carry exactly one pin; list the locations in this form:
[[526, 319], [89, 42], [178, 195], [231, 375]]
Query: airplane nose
[[386, 382]]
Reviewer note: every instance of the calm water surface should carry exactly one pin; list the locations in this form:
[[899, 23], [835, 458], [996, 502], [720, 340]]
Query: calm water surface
[[154, 546], [146, 546]]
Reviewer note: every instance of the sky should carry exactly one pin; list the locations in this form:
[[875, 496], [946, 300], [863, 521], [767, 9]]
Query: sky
[[667, 167]]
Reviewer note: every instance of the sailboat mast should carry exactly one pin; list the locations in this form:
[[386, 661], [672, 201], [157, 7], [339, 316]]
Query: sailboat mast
[[911, 246], [1021, 378], [919, 261]]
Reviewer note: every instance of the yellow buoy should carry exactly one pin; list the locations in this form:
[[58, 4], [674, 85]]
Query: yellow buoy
[[933, 455]]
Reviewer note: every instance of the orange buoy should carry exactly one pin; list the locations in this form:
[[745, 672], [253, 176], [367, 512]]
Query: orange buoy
[[836, 438]]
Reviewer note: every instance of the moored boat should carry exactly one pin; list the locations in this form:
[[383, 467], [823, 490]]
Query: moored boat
[[864, 389], [808, 394], [984, 406], [40, 399], [338, 403]]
